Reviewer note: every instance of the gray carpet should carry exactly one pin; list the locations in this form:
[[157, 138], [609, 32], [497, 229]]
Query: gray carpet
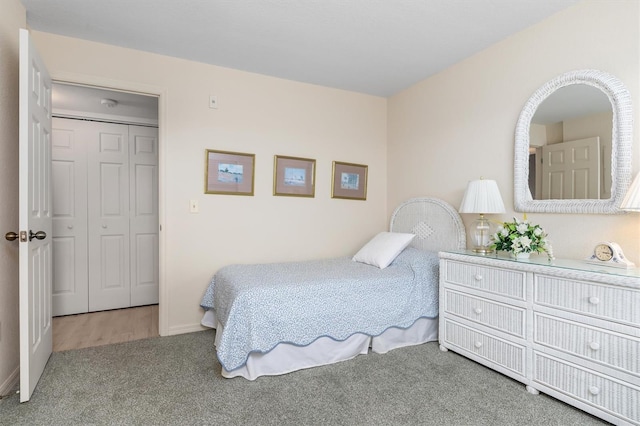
[[176, 380]]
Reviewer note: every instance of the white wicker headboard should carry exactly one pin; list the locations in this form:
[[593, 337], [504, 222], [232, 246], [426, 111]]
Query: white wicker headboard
[[437, 225]]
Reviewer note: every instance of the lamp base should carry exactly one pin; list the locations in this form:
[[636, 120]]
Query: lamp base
[[482, 250], [480, 235]]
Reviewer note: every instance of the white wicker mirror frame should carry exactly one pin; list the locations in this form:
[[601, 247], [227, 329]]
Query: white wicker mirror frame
[[621, 146]]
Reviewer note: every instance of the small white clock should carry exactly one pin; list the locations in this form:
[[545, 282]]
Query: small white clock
[[609, 254]]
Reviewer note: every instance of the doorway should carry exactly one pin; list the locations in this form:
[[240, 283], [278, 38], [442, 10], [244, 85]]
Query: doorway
[[105, 202], [104, 328]]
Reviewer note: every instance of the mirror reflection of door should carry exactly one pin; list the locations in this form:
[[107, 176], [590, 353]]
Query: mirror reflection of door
[[570, 170]]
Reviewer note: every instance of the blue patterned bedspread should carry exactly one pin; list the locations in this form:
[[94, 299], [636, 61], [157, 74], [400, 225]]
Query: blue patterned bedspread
[[260, 306]]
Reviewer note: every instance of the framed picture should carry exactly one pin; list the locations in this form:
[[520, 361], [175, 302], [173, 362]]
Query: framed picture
[[229, 173], [294, 177], [349, 181]]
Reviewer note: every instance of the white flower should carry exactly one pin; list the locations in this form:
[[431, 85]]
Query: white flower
[[520, 236], [549, 251], [524, 241]]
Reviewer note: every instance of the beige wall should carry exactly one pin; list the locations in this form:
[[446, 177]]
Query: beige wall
[[257, 114], [12, 18], [460, 124], [537, 135], [555, 133]]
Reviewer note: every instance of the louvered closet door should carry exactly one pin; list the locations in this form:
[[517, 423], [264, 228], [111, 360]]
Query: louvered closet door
[[108, 220], [70, 293], [143, 158]]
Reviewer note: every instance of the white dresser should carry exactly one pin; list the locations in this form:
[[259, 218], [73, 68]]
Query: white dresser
[[565, 328]]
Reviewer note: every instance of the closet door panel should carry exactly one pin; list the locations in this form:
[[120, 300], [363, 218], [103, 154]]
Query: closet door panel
[[112, 262], [69, 197], [143, 146], [108, 219], [105, 209]]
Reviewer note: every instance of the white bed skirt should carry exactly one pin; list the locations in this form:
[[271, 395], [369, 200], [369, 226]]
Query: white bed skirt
[[287, 357]]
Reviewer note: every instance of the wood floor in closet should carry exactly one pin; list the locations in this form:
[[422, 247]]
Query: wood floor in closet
[[104, 328]]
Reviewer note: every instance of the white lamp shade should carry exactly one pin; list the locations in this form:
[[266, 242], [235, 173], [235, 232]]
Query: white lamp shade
[[631, 201], [482, 196]]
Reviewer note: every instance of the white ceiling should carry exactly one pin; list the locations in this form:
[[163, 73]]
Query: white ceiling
[[379, 47], [69, 100]]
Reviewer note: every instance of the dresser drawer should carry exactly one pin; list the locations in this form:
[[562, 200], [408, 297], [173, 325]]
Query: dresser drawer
[[499, 316], [499, 281], [597, 300], [616, 397], [505, 354], [603, 346]]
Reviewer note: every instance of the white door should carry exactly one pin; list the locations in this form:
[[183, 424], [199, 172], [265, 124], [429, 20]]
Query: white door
[[102, 206], [69, 178], [143, 159], [34, 217], [570, 170], [108, 223]]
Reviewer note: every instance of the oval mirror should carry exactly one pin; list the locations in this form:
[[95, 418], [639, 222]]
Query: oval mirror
[[573, 146]]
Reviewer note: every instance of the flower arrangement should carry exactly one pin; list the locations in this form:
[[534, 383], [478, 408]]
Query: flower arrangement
[[519, 237]]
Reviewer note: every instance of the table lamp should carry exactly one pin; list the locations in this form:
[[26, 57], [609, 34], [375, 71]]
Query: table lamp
[[482, 196]]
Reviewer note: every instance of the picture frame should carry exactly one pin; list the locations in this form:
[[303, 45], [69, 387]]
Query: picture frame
[[294, 176], [229, 173], [349, 181]]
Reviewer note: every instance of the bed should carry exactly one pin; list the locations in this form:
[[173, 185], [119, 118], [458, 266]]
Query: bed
[[273, 319]]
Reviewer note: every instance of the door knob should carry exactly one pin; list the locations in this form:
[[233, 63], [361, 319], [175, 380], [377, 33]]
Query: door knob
[[40, 235], [11, 236]]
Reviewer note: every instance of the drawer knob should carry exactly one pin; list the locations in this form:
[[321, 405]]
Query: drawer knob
[[594, 345], [478, 345], [594, 300], [594, 390], [477, 277], [477, 311]]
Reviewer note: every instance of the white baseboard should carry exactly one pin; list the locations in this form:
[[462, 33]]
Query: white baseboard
[[190, 328], [11, 384]]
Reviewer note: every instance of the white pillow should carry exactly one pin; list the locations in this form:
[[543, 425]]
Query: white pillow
[[383, 248]]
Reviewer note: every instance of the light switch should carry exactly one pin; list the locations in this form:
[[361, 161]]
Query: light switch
[[213, 102], [193, 206]]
